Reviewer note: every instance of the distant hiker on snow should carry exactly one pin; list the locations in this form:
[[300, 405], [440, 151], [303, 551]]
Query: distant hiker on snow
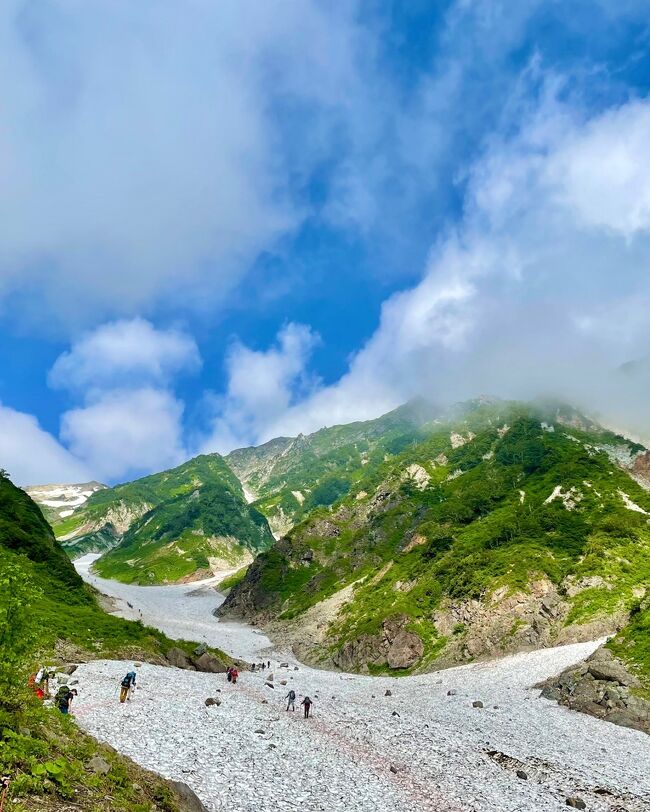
[[307, 703], [234, 674], [128, 684], [64, 697], [229, 671], [291, 700]]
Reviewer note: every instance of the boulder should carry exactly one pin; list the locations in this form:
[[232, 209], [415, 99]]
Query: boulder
[[452, 692], [179, 659], [67, 669], [210, 664], [611, 670], [388, 692], [477, 703], [576, 803], [189, 800], [212, 700], [200, 649], [99, 765], [521, 774]]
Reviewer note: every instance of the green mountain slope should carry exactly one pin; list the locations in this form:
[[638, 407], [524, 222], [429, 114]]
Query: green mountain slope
[[510, 526], [46, 612], [289, 477], [199, 523]]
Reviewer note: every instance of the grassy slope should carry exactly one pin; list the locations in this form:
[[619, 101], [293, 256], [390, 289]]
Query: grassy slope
[[178, 536], [325, 465], [475, 532], [44, 606]]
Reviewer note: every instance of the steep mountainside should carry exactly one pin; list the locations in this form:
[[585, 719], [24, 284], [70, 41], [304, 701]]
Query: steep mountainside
[[290, 476], [46, 614], [186, 523], [509, 526]]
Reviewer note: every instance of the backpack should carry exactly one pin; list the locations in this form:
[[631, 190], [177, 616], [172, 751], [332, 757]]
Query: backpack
[[126, 682], [292, 695], [61, 696]]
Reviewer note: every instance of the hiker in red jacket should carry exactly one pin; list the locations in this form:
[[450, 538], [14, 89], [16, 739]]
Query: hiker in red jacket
[[234, 674]]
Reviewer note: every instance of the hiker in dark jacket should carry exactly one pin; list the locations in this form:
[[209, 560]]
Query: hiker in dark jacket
[[291, 700], [64, 698], [128, 684], [307, 704]]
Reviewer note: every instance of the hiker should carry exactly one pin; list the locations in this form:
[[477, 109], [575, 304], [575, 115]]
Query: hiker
[[268, 665], [64, 697], [234, 674], [253, 667], [263, 667], [307, 703], [291, 700], [229, 671], [128, 684]]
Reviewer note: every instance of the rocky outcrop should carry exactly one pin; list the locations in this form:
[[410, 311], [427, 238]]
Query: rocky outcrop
[[506, 622], [601, 686], [395, 646]]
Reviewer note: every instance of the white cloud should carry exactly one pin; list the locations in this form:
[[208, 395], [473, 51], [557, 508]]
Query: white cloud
[[542, 288], [261, 387], [121, 352], [32, 456], [140, 158], [126, 433]]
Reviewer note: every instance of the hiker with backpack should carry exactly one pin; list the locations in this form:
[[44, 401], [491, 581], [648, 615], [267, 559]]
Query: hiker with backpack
[[63, 699], [291, 700], [234, 675], [128, 684], [307, 704]]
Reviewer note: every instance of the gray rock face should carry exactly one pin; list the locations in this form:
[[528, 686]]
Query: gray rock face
[[601, 686], [189, 801], [405, 650], [395, 647], [576, 803]]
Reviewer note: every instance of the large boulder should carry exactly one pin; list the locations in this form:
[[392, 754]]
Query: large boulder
[[179, 659], [209, 663], [188, 799], [603, 665]]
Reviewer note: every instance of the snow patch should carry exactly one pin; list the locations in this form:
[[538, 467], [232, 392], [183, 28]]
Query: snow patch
[[569, 498], [630, 505], [298, 496], [418, 475]]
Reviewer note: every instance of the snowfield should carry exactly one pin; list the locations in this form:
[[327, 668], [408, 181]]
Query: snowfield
[[416, 749]]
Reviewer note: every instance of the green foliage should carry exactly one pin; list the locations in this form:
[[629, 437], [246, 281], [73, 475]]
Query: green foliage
[[491, 516]]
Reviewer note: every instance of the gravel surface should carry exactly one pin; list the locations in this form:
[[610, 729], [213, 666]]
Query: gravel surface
[[418, 748]]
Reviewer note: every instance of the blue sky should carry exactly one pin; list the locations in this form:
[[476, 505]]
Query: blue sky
[[224, 221]]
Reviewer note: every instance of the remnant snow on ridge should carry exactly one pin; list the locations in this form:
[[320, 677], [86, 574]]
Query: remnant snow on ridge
[[418, 475], [340, 760], [298, 496], [569, 498], [630, 505]]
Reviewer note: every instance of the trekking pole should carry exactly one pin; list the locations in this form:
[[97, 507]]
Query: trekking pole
[[4, 783]]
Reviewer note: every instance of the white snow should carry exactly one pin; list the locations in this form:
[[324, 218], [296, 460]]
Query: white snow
[[630, 505], [340, 760], [182, 611], [65, 513]]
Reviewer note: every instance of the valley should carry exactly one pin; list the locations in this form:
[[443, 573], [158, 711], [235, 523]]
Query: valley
[[380, 743]]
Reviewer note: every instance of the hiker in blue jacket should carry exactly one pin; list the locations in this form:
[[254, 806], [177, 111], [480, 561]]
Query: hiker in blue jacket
[[128, 684]]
